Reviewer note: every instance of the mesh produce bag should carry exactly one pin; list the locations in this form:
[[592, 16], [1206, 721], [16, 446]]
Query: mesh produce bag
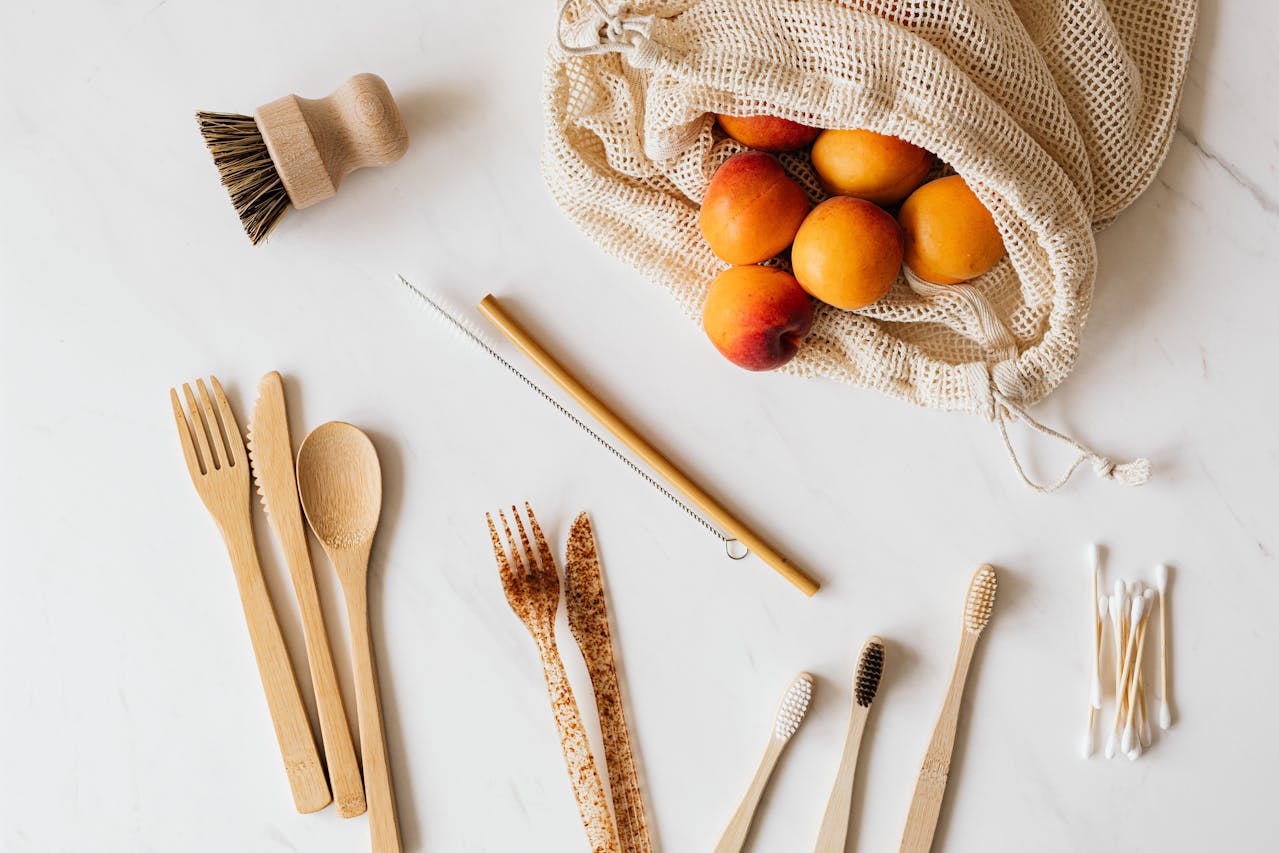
[[1056, 112]]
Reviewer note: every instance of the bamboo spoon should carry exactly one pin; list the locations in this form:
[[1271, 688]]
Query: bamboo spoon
[[833, 835], [516, 333], [930, 789], [790, 714], [341, 486]]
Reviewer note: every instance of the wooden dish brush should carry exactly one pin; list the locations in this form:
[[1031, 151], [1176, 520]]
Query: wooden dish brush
[[297, 151]]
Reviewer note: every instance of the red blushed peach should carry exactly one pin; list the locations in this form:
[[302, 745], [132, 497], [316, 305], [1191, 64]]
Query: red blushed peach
[[768, 133], [752, 209], [757, 316]]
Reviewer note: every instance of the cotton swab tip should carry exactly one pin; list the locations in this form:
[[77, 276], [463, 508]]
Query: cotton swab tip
[[1134, 753], [1090, 743], [1165, 715], [1161, 577], [1094, 697], [1103, 601], [1125, 744], [1112, 745]]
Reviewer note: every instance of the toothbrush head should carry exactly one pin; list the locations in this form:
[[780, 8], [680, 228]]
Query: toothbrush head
[[793, 708], [870, 666], [981, 599]]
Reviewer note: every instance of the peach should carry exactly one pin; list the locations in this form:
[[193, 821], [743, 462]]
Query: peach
[[847, 253], [950, 235], [869, 165], [768, 133], [752, 209], [757, 316]]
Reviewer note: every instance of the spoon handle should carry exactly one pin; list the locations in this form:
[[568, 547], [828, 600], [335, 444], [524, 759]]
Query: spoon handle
[[384, 827]]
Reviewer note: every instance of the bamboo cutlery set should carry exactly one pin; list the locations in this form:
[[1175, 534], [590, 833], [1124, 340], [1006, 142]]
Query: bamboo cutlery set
[[338, 481]]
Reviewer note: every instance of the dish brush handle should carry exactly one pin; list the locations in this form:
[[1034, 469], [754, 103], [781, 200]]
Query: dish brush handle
[[314, 144]]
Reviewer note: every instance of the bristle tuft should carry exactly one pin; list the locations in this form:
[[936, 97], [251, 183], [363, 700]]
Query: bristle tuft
[[981, 599], [870, 666], [249, 175], [794, 706]]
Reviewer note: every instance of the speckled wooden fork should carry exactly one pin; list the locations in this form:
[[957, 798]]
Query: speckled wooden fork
[[532, 585]]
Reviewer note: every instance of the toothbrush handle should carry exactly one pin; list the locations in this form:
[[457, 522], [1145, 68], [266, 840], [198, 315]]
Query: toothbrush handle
[[833, 835], [930, 789], [734, 836]]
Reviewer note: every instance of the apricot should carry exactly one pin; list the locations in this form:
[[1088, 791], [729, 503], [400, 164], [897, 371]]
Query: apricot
[[847, 253], [768, 133], [950, 235], [757, 316], [752, 209], [869, 165]]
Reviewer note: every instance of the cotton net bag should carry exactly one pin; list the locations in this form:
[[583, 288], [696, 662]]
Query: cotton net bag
[[1057, 113]]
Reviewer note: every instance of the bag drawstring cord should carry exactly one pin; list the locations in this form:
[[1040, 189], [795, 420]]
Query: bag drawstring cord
[[1127, 473], [617, 30]]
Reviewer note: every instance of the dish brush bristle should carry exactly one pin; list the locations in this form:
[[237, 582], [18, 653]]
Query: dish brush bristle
[[981, 599], [870, 666], [247, 171], [794, 706]]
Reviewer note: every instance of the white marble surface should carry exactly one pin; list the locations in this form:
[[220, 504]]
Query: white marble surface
[[130, 710]]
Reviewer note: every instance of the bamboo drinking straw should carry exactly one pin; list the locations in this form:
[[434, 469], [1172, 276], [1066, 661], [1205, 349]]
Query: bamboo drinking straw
[[517, 335]]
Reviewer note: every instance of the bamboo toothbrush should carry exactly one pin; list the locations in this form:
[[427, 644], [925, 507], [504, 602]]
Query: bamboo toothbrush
[[789, 715], [833, 835], [1165, 700], [930, 789], [296, 150]]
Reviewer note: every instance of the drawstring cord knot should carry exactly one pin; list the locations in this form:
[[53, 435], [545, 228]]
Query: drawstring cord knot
[[1132, 473], [615, 31]]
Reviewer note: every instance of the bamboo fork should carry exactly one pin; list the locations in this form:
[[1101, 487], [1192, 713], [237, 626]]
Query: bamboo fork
[[532, 587], [930, 789], [588, 620], [514, 332], [215, 457]]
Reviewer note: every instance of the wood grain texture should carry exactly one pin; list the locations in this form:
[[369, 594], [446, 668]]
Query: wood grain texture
[[271, 455], [219, 468], [314, 144], [514, 332], [340, 481], [588, 620]]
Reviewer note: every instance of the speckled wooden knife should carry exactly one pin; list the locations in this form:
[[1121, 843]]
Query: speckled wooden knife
[[588, 620]]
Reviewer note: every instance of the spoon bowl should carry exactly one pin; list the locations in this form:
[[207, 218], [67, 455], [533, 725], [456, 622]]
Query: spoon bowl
[[340, 482]]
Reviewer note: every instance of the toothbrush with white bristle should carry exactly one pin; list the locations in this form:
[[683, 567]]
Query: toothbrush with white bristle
[[789, 715], [1165, 704]]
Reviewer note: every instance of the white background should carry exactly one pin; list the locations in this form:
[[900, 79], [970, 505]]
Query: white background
[[131, 714]]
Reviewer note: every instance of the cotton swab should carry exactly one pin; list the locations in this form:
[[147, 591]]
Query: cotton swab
[[1140, 616], [1165, 704], [1116, 607], [1094, 698], [1135, 624]]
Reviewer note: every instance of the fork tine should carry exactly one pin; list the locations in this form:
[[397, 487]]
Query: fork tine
[[503, 565], [544, 550], [217, 440], [194, 466], [231, 429], [529, 553], [516, 559], [200, 428]]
